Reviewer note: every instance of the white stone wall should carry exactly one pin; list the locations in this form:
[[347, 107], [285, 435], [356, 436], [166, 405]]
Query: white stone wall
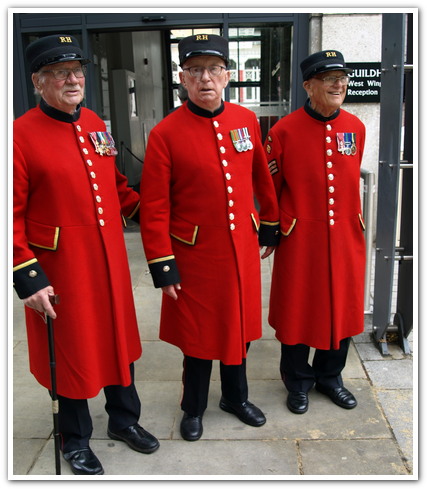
[[358, 37]]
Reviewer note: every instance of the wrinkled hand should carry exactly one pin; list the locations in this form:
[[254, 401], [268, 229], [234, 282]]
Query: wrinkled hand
[[268, 251], [40, 301], [170, 290]]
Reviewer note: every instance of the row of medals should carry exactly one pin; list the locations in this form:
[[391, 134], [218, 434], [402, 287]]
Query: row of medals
[[241, 139]]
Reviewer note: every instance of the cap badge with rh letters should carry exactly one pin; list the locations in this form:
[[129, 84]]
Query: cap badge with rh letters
[[53, 49], [329, 60], [203, 45]]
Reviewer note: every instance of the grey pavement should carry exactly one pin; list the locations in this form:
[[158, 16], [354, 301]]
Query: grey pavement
[[373, 441]]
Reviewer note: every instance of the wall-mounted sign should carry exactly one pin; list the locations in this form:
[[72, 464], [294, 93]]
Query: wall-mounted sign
[[365, 83]]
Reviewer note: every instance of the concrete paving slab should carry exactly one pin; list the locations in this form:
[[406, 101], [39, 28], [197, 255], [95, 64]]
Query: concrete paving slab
[[391, 374], [180, 458], [398, 408], [356, 457], [324, 420], [25, 454], [373, 439], [160, 361], [160, 407]]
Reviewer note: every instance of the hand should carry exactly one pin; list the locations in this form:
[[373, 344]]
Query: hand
[[170, 290], [268, 251], [40, 301]]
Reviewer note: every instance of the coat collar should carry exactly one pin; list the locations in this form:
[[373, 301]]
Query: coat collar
[[203, 112], [311, 112], [58, 114]]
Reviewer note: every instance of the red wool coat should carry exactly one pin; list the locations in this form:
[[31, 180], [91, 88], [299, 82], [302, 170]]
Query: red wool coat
[[68, 207], [199, 227], [318, 276]]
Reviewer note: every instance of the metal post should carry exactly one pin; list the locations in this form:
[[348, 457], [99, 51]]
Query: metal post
[[392, 88], [368, 217]]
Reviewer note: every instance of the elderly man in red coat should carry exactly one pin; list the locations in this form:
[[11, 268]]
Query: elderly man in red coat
[[69, 201], [200, 230], [317, 286]]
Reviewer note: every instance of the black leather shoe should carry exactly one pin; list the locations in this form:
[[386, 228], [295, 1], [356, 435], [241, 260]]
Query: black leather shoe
[[84, 462], [297, 402], [137, 438], [339, 395], [191, 427], [245, 411]]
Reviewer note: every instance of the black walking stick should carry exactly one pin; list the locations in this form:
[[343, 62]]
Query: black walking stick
[[55, 405]]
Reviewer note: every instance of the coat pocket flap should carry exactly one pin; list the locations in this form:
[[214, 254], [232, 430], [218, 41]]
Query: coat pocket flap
[[184, 231], [287, 223], [42, 235]]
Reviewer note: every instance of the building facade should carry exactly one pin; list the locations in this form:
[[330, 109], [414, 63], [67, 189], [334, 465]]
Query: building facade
[[133, 79]]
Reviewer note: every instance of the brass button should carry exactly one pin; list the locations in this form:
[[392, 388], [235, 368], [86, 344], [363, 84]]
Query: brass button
[[32, 273]]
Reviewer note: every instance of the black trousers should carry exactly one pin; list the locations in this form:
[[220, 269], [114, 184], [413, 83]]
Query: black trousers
[[299, 376], [196, 379], [75, 423]]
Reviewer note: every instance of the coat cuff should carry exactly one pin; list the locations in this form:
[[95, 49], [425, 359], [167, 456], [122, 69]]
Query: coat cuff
[[164, 271], [29, 278], [269, 233]]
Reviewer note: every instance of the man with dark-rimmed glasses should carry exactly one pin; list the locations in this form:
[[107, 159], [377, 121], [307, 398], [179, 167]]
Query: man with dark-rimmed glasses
[[202, 232]]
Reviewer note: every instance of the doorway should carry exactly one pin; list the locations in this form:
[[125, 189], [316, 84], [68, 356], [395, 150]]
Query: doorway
[[137, 81]]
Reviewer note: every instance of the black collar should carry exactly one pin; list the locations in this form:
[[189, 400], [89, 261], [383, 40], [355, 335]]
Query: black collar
[[311, 112], [58, 114], [203, 112]]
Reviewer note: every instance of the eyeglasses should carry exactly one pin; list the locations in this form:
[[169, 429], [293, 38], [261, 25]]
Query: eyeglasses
[[331, 80], [78, 72], [197, 71]]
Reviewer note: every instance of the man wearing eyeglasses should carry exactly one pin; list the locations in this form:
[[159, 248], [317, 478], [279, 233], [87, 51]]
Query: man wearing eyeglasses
[[69, 203], [202, 233], [317, 285]]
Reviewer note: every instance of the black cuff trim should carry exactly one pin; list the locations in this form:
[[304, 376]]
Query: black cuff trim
[[269, 234], [29, 280], [164, 273]]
